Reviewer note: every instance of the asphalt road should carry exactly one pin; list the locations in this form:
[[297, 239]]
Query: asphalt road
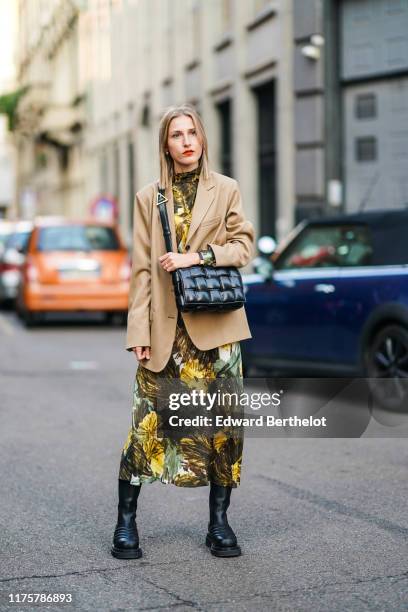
[[323, 523]]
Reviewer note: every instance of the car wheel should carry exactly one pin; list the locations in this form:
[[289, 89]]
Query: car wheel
[[386, 367]]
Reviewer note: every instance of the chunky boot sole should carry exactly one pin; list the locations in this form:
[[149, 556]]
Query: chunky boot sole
[[222, 551], [123, 553]]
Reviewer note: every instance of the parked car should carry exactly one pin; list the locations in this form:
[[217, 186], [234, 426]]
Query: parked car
[[333, 301], [12, 258], [74, 265]]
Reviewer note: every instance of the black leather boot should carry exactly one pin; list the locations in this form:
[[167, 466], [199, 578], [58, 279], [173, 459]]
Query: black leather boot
[[126, 538], [220, 537]]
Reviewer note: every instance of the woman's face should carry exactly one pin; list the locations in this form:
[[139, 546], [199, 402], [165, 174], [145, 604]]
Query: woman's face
[[183, 144]]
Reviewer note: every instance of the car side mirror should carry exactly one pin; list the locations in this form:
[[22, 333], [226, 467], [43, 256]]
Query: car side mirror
[[263, 264], [264, 267]]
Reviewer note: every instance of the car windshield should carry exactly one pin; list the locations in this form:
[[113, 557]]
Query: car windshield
[[3, 238], [78, 238], [17, 240]]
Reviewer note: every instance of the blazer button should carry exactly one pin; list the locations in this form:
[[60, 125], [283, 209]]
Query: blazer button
[[187, 247]]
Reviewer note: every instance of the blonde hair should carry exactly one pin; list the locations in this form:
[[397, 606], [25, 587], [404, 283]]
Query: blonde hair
[[166, 162]]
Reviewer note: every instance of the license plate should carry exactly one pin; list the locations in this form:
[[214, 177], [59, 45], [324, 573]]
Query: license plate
[[79, 270], [74, 274]]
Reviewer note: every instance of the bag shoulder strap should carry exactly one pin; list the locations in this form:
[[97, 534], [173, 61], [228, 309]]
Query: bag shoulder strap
[[161, 205]]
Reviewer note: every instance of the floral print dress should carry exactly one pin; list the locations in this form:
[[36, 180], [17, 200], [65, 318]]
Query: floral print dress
[[152, 451]]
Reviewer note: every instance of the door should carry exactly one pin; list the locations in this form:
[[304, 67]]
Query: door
[[294, 316]]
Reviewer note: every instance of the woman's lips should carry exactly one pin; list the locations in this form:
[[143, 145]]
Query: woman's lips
[[188, 153]]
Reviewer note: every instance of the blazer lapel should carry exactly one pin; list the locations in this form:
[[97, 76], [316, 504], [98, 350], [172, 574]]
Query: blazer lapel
[[204, 198]]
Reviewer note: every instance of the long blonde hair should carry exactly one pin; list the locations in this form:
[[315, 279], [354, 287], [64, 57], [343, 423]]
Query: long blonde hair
[[166, 161]]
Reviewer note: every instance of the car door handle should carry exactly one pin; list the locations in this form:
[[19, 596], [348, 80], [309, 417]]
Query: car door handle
[[325, 288]]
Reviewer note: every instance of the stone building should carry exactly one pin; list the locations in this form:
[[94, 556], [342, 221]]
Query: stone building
[[51, 114], [304, 101], [351, 109], [8, 24], [232, 59]]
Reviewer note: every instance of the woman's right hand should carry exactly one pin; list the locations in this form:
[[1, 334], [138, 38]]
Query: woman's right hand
[[141, 352]]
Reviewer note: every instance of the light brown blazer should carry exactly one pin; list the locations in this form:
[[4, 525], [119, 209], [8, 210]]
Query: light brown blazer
[[218, 220]]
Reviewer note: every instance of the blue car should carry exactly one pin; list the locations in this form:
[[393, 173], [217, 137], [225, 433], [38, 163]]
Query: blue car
[[333, 301]]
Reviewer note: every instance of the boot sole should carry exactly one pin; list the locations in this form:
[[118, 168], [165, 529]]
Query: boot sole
[[119, 553], [232, 551]]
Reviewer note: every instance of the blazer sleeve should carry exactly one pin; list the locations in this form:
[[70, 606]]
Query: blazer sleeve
[[138, 322], [239, 247]]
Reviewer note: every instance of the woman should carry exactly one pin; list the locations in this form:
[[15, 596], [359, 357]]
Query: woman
[[209, 228]]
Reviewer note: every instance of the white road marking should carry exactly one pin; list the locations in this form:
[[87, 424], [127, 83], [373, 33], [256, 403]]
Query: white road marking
[[83, 365]]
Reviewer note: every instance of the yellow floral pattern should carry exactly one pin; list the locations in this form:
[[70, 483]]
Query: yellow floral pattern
[[155, 452]]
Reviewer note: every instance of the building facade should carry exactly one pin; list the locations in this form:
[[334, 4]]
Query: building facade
[[232, 60], [51, 114], [304, 101], [351, 105], [8, 25]]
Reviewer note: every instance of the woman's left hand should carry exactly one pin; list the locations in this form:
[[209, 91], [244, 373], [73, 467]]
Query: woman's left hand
[[173, 261]]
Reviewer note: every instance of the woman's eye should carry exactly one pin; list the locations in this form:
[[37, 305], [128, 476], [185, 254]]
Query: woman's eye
[[194, 132]]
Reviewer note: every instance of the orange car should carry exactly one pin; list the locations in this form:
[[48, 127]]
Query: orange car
[[74, 266]]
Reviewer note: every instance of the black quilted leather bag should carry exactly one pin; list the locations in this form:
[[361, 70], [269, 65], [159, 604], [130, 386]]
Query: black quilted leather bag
[[202, 288]]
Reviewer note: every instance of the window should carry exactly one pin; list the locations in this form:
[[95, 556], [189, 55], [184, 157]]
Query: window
[[78, 238], [366, 106], [224, 114], [18, 240], [266, 153], [328, 246], [366, 149], [390, 244]]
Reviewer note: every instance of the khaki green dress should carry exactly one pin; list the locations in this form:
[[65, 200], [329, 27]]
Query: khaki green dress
[[153, 451]]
